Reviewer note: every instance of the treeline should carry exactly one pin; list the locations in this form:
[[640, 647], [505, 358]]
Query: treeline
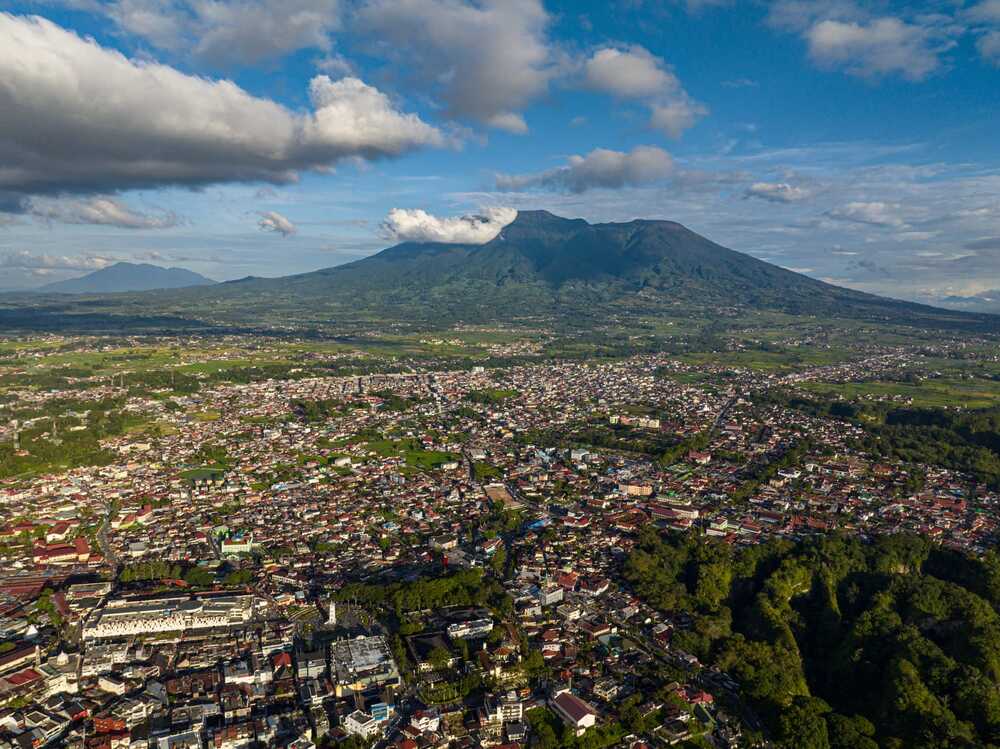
[[463, 588], [759, 473], [195, 576], [838, 643], [55, 407], [966, 441], [610, 437], [69, 449], [490, 396], [317, 410]]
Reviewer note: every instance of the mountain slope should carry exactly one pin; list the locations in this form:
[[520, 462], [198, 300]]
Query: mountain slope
[[540, 269], [542, 264], [128, 277]]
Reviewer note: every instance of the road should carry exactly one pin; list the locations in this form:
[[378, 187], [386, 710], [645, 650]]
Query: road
[[102, 537]]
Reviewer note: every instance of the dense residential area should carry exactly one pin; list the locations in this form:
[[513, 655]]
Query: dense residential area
[[584, 553]]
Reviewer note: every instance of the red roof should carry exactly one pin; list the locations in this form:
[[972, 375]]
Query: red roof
[[573, 706], [23, 677]]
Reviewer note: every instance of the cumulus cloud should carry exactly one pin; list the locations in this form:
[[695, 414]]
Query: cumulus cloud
[[989, 47], [601, 167], [628, 73], [23, 259], [404, 225], [873, 214], [275, 222], [800, 15], [987, 11], [678, 115], [776, 192], [100, 210], [851, 36], [880, 47], [485, 59], [635, 73], [224, 32], [245, 32], [78, 118]]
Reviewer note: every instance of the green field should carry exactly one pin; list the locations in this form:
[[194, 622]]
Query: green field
[[940, 392]]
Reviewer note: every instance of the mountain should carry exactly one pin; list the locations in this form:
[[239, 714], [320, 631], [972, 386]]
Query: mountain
[[128, 277], [540, 270], [544, 265], [984, 301]]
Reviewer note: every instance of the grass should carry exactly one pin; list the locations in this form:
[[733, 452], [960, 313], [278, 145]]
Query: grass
[[152, 429], [201, 474], [768, 361], [933, 393], [412, 453], [206, 415]]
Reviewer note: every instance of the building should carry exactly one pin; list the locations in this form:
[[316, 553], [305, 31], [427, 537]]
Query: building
[[471, 629], [550, 594], [127, 618], [237, 544], [574, 712], [361, 664], [362, 724]]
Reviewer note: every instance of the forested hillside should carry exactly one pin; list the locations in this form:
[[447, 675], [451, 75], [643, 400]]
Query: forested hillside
[[839, 643]]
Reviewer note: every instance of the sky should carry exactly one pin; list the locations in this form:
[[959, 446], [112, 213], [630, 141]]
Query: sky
[[854, 142]]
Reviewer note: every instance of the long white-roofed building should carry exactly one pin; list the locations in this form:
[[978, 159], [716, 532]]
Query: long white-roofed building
[[176, 613]]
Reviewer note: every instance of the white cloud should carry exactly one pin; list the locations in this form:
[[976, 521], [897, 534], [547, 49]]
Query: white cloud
[[987, 11], [880, 47], [100, 210], [873, 214], [275, 222], [677, 115], [635, 73], [600, 168], [81, 118], [224, 32], [989, 47], [799, 15], [248, 31], [776, 192], [852, 36], [628, 73], [28, 260], [485, 59], [404, 225], [509, 121]]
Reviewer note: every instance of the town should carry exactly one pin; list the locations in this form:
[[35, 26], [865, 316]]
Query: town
[[419, 559]]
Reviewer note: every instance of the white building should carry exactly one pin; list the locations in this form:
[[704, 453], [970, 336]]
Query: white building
[[471, 629], [362, 724], [125, 618]]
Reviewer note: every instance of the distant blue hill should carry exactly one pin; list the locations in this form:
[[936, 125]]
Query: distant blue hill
[[128, 277]]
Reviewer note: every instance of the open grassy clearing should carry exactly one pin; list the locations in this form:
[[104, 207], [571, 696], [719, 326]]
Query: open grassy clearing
[[941, 392]]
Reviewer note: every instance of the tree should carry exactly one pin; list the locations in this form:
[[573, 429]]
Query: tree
[[802, 725], [855, 732], [439, 658]]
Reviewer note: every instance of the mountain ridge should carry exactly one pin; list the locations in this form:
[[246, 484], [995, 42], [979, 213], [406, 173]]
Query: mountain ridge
[[128, 277], [545, 260], [541, 268]]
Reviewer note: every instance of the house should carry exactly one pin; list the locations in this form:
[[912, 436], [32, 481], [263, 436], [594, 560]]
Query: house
[[573, 711]]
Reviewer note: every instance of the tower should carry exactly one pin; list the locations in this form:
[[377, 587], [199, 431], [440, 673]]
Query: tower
[[332, 616], [16, 426]]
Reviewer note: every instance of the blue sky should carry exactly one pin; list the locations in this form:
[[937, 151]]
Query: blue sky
[[855, 142]]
